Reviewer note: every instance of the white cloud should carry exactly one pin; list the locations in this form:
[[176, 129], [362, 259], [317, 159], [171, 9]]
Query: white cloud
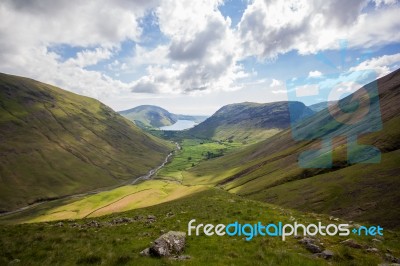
[[268, 29], [276, 83], [89, 57], [30, 29], [385, 2], [201, 51], [314, 74], [201, 55], [382, 65]]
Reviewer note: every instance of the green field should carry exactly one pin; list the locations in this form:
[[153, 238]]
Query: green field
[[121, 199], [193, 152], [76, 242]]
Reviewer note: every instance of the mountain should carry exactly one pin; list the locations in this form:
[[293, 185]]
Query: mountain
[[269, 170], [320, 106], [249, 121], [55, 143], [150, 116]]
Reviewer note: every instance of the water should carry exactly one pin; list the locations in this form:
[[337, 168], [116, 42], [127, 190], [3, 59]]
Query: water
[[180, 125]]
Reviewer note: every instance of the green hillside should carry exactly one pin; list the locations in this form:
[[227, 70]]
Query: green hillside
[[247, 121], [56, 143], [269, 170], [151, 116]]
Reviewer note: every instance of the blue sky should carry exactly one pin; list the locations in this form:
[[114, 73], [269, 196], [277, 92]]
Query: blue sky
[[193, 57]]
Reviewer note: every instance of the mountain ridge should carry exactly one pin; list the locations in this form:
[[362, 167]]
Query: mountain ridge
[[249, 121]]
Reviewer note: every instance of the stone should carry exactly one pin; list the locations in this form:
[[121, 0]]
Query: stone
[[181, 257], [93, 223], [327, 254], [313, 248], [14, 262], [351, 243], [391, 258], [121, 220], [169, 244], [145, 252], [372, 250]]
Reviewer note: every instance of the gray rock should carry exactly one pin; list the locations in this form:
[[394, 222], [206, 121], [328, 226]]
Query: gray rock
[[169, 244], [145, 252], [372, 250], [59, 224], [306, 240], [375, 240], [327, 254], [181, 257], [391, 258], [93, 223], [351, 243], [150, 219], [14, 262], [121, 220], [313, 248]]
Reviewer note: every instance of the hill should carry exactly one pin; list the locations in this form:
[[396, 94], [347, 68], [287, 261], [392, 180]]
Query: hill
[[55, 143], [248, 121], [151, 116], [269, 170], [320, 106]]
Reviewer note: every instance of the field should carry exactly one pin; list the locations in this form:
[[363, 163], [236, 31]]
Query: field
[[101, 240], [193, 152], [117, 200]]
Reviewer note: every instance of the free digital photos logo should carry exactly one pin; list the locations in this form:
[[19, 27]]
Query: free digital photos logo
[[352, 109]]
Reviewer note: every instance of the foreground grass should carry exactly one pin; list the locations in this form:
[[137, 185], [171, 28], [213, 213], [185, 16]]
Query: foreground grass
[[69, 244]]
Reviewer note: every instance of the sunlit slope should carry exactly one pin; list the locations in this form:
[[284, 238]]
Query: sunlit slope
[[55, 143], [269, 170], [121, 199]]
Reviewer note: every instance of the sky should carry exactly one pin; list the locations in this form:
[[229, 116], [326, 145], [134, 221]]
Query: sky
[[193, 57]]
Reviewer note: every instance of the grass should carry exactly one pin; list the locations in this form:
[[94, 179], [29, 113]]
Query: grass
[[51, 244]]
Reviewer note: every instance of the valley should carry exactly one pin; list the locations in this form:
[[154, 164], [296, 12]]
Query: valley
[[241, 171]]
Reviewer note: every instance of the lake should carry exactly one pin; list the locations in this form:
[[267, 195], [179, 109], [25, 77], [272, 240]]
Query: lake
[[180, 125]]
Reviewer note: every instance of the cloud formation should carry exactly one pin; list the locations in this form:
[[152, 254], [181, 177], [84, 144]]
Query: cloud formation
[[199, 49], [270, 28]]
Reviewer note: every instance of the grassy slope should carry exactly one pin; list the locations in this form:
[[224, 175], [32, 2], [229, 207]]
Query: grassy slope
[[268, 170], [56, 143], [50, 244]]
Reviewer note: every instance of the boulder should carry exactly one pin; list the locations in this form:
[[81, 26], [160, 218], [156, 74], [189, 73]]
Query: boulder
[[327, 254], [169, 244], [351, 243], [313, 248]]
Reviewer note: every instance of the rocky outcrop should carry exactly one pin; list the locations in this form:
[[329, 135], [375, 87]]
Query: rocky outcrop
[[170, 244]]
